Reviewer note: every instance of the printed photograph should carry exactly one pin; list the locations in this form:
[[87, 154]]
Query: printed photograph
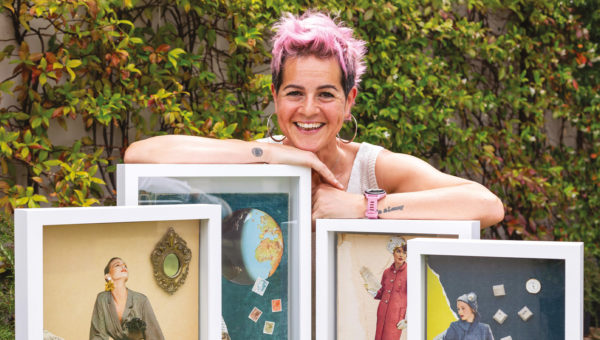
[[372, 285], [254, 254], [100, 282], [487, 298]]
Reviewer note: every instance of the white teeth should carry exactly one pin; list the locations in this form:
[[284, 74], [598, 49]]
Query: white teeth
[[309, 126]]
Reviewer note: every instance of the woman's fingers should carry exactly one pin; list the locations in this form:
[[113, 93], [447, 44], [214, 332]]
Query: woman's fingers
[[283, 154], [325, 173]]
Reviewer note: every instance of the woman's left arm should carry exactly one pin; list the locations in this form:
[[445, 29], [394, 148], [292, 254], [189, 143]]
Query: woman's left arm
[[153, 331], [416, 190]]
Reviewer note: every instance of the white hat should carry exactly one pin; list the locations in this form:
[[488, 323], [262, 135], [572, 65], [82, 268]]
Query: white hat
[[395, 242]]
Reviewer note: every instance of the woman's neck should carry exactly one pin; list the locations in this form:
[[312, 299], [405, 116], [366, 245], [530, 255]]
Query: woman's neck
[[332, 155], [119, 291]]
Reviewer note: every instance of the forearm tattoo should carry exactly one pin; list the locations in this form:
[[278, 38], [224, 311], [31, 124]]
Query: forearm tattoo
[[390, 209], [257, 152]]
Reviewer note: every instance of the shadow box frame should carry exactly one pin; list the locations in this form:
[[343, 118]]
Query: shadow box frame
[[325, 252], [249, 178], [569, 252], [29, 271]]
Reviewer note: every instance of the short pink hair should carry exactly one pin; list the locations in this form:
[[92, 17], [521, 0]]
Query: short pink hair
[[317, 34]]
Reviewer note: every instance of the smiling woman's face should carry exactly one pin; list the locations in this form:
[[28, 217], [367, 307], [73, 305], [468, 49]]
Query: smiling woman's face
[[311, 104], [464, 311], [118, 270]]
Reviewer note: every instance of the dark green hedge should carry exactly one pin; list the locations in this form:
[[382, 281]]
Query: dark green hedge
[[472, 86]]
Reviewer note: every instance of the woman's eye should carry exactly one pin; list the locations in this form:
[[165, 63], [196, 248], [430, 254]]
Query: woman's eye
[[294, 93], [327, 95]]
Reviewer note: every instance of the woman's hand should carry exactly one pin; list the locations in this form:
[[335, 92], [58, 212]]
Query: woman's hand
[[283, 154], [330, 202]]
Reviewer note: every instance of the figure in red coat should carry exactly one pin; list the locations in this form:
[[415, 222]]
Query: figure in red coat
[[391, 312]]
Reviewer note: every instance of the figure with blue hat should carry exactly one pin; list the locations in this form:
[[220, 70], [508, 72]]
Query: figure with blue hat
[[468, 327]]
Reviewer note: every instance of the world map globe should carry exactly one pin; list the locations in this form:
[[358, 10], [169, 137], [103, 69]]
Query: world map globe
[[252, 246]]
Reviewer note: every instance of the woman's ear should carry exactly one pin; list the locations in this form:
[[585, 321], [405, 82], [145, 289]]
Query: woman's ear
[[274, 94], [350, 101], [107, 277]]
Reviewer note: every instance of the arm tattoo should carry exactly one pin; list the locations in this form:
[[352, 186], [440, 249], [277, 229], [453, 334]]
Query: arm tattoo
[[257, 152], [390, 209]]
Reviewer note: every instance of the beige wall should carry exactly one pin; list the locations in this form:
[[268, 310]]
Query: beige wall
[[74, 260]]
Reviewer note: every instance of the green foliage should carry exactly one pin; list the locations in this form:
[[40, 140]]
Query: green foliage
[[503, 92], [7, 285]]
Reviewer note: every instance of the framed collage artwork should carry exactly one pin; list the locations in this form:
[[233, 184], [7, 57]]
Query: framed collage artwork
[[265, 237], [496, 289], [361, 273], [167, 256]]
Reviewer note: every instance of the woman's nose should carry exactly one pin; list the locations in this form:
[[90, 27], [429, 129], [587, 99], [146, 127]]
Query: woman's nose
[[310, 106]]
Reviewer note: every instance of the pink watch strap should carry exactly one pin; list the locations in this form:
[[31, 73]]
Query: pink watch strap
[[372, 200]]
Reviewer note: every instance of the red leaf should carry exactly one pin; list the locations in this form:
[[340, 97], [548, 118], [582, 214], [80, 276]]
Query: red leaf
[[575, 85]]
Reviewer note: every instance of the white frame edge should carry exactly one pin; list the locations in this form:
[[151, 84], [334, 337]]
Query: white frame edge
[[300, 237], [29, 224], [326, 229], [570, 252]]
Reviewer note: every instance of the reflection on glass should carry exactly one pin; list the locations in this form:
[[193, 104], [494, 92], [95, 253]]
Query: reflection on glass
[[171, 265]]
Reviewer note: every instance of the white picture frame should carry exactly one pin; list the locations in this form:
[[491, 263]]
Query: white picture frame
[[243, 178], [33, 226], [510, 297], [326, 234]]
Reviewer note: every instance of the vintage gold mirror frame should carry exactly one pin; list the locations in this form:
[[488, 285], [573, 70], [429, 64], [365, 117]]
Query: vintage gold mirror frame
[[170, 261]]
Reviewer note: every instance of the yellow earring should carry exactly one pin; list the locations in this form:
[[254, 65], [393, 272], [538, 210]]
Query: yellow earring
[[109, 285]]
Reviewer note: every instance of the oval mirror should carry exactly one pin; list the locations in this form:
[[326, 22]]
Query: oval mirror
[[171, 265]]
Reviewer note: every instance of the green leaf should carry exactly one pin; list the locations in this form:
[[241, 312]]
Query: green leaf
[[73, 63]]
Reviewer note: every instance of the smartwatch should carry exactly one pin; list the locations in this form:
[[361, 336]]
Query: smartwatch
[[373, 196]]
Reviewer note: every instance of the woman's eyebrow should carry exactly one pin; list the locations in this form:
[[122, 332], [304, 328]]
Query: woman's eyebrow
[[327, 86], [293, 86], [322, 87]]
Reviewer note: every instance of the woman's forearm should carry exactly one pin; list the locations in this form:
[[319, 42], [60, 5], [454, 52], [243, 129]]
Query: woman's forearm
[[469, 201], [199, 150], [179, 149]]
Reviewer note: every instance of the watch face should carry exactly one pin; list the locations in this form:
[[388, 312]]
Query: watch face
[[533, 286], [374, 191]]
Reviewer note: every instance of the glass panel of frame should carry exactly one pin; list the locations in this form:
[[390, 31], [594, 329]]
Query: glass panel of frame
[[261, 231], [72, 261], [492, 289], [362, 274]]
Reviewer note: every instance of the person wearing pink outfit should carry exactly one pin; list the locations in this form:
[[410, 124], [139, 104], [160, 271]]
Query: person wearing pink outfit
[[391, 312]]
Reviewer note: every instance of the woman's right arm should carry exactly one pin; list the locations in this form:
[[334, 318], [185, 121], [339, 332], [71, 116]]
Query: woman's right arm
[[180, 149], [98, 324]]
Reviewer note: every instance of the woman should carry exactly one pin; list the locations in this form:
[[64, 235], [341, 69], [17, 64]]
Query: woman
[[392, 307], [468, 327], [117, 306], [317, 67]]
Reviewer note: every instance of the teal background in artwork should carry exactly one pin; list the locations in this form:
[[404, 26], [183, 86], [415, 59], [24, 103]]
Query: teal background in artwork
[[239, 300]]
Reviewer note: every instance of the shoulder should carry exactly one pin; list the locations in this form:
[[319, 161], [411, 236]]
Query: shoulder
[[485, 327], [137, 297], [102, 296]]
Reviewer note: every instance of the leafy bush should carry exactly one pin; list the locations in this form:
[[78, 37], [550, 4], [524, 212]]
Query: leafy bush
[[485, 89], [7, 285]]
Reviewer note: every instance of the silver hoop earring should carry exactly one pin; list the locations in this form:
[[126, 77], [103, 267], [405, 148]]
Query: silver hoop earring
[[270, 131], [355, 132]]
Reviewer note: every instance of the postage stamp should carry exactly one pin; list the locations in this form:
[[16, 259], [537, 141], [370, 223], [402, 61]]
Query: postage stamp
[[255, 314], [260, 285], [276, 305], [269, 327]]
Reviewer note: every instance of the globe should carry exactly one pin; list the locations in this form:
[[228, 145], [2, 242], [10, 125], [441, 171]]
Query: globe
[[252, 246]]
